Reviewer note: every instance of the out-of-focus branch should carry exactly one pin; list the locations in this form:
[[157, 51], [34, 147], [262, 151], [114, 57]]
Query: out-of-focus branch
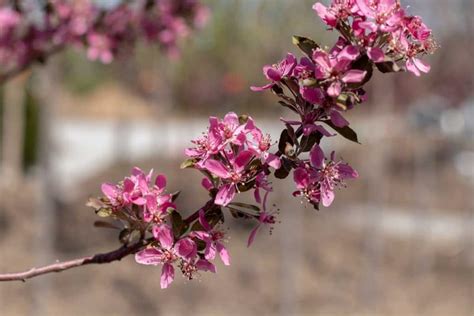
[[101, 258], [4, 77]]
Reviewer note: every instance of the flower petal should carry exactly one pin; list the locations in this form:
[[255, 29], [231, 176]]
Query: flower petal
[[148, 256], [217, 168], [225, 195], [354, 76], [316, 156], [167, 275], [223, 253]]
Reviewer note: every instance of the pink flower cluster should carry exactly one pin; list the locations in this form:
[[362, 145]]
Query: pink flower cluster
[[30, 32], [317, 178], [381, 28], [324, 84], [234, 154], [168, 250], [147, 209]]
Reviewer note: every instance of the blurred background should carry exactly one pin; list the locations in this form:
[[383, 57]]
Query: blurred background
[[398, 241]]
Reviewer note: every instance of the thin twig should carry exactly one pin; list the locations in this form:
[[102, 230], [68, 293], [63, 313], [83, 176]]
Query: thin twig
[[101, 258]]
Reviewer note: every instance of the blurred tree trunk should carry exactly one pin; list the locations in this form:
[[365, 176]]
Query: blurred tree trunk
[[13, 130]]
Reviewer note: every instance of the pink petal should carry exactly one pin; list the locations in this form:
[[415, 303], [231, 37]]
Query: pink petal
[[217, 168], [338, 120], [164, 235], [327, 196], [160, 181], [364, 8], [412, 68], [273, 74], [348, 53], [225, 195], [148, 256], [421, 65], [334, 89], [207, 184], [203, 221], [210, 251], [311, 94], [376, 54], [263, 88], [301, 178], [243, 159], [205, 265], [223, 253], [273, 161], [186, 248], [316, 156], [167, 275], [252, 235], [231, 119], [347, 172], [354, 76], [109, 190]]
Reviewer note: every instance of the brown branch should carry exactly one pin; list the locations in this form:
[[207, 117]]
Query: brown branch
[[101, 258], [191, 218], [4, 77]]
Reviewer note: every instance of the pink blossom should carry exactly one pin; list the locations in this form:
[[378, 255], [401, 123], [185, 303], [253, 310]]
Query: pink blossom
[[335, 68], [155, 256], [265, 218], [337, 11], [331, 174], [212, 238], [100, 48], [233, 174], [277, 72], [383, 15], [262, 183], [260, 144], [164, 235]]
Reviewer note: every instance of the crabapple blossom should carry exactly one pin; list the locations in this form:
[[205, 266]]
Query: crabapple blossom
[[233, 154], [30, 31]]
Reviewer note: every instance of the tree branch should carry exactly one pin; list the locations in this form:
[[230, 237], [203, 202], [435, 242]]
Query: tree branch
[[4, 77], [101, 258]]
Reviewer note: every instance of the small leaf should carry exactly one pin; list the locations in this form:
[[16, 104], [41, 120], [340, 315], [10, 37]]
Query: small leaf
[[305, 44], [238, 213], [289, 150], [291, 107], [285, 139], [307, 142], [188, 163], [243, 119], [345, 131], [175, 195], [102, 224], [292, 85], [125, 236], [315, 205], [281, 173], [215, 216], [284, 170], [363, 63], [246, 206], [104, 212], [197, 227], [291, 133], [244, 187], [277, 90], [178, 225], [388, 66], [95, 203]]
